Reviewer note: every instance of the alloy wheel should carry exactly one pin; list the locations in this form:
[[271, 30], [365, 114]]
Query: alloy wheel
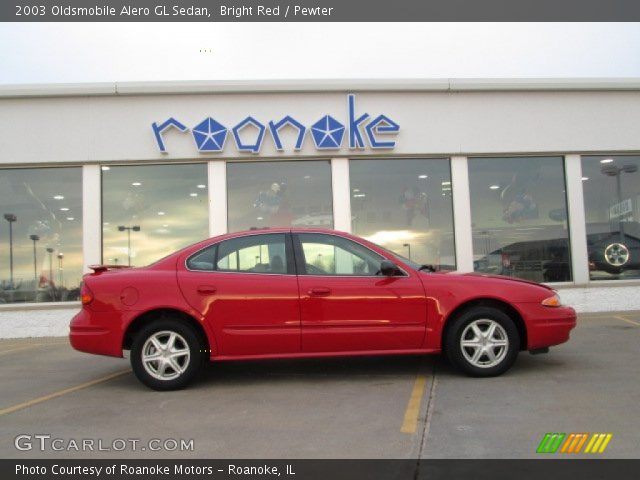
[[484, 343], [165, 355], [616, 254]]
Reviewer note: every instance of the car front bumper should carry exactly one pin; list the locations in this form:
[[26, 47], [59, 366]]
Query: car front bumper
[[547, 326]]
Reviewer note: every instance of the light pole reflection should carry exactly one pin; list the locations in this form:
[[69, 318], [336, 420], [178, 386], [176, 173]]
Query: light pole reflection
[[135, 228], [10, 217]]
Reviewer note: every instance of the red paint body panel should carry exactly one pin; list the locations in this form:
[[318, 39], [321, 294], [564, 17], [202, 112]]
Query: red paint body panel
[[252, 315], [249, 314], [90, 332], [362, 313], [547, 326]]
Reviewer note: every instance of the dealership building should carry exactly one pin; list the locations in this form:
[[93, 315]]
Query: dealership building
[[534, 179]]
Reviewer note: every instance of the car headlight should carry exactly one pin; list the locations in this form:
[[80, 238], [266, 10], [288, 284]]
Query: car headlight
[[552, 301]]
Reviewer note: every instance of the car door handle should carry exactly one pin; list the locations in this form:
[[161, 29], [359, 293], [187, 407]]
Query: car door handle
[[319, 291], [206, 290]]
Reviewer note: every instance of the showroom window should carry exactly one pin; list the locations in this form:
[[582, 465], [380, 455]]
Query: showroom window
[[279, 194], [151, 211], [612, 210], [405, 206], [519, 217], [41, 234]]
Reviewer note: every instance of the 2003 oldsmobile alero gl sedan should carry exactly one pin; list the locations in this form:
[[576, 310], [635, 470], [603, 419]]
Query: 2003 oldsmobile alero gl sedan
[[292, 293]]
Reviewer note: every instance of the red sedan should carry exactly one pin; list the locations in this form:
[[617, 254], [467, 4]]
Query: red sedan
[[292, 293]]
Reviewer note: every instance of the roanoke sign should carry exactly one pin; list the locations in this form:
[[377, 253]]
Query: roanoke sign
[[327, 133]]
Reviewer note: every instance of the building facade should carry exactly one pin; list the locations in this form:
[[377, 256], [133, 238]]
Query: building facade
[[535, 179]]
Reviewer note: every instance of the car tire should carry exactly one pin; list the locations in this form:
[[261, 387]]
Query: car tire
[[166, 355], [482, 342]]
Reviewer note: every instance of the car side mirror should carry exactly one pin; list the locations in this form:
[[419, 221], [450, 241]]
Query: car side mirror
[[388, 268]]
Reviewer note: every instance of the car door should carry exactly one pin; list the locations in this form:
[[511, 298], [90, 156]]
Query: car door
[[345, 305], [246, 289]]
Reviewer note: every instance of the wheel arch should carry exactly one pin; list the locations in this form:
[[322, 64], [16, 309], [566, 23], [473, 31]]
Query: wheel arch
[[487, 302], [163, 313]]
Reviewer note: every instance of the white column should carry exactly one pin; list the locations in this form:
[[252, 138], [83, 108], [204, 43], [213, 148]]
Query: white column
[[462, 214], [217, 172], [91, 216], [577, 223], [341, 189]]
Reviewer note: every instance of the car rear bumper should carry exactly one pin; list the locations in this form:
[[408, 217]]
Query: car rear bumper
[[548, 326], [92, 333]]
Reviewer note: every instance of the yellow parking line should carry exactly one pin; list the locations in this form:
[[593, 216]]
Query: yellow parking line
[[410, 422], [37, 340], [632, 322], [60, 393], [19, 349]]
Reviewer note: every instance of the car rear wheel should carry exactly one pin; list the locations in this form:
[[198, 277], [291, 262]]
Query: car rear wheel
[[166, 355], [483, 342]]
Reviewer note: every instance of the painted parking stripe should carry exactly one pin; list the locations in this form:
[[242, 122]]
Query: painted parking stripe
[[60, 393], [632, 322], [410, 422], [18, 347]]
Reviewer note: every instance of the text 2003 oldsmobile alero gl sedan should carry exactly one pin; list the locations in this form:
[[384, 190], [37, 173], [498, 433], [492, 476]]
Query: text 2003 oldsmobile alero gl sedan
[[289, 293]]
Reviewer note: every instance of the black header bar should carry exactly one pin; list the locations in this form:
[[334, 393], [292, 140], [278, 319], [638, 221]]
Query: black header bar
[[319, 11], [410, 469]]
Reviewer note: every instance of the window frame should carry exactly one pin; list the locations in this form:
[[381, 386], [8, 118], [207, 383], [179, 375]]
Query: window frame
[[567, 205], [174, 163], [427, 157], [289, 252], [300, 258], [589, 280], [228, 188], [54, 303]]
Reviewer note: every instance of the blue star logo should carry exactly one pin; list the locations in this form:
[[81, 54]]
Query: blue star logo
[[327, 133], [209, 135]]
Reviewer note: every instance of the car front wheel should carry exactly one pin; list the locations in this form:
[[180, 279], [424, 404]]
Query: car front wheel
[[166, 355], [483, 342]]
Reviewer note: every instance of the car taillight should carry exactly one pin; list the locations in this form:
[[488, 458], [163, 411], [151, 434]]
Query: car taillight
[[86, 296], [553, 301]]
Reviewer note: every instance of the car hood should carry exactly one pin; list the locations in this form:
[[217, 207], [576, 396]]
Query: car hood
[[495, 277]]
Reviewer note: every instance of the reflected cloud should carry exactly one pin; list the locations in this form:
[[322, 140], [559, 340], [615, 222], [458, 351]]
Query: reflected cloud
[[160, 203], [39, 236], [385, 237]]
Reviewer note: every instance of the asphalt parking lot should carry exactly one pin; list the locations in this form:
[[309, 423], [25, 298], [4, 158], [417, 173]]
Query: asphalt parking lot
[[385, 407]]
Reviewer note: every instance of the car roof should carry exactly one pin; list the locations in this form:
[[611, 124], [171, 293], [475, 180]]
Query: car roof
[[190, 250], [267, 230], [260, 231]]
